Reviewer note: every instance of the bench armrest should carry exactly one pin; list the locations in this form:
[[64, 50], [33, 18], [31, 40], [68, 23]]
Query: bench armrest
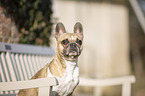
[[125, 81], [35, 83], [107, 82]]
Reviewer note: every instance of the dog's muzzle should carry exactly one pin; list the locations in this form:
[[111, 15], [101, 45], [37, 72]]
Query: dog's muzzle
[[72, 50]]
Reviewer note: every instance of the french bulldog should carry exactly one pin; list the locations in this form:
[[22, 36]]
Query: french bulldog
[[64, 65]]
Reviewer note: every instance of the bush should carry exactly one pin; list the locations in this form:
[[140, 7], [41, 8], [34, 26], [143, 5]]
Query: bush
[[33, 19]]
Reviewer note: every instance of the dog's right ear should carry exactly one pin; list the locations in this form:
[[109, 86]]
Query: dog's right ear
[[78, 29], [60, 29]]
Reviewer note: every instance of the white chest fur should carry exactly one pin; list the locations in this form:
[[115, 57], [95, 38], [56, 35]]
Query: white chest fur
[[69, 81]]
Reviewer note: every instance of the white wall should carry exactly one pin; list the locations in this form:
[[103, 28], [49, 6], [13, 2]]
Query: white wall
[[106, 39]]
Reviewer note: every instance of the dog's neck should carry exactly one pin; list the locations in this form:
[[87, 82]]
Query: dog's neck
[[70, 67], [59, 66]]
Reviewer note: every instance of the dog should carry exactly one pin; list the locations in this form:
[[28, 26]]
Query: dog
[[64, 65]]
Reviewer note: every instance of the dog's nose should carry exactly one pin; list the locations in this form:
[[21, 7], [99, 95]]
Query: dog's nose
[[73, 45]]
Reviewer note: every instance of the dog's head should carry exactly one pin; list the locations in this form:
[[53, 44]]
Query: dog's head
[[69, 45]]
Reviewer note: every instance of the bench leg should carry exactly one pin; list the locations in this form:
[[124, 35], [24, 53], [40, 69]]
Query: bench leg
[[126, 89], [45, 91], [97, 91]]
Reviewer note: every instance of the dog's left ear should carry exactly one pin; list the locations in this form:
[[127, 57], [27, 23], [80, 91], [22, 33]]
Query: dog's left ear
[[60, 29], [78, 29]]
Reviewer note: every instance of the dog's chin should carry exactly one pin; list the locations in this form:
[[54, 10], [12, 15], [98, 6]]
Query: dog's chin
[[71, 56]]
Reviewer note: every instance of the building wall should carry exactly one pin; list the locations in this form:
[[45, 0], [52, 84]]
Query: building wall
[[106, 36]]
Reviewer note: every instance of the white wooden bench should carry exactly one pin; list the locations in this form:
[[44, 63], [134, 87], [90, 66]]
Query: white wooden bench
[[125, 81], [18, 63]]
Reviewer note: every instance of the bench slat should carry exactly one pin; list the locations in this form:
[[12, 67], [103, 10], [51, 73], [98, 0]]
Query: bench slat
[[8, 77], [30, 63], [41, 61], [27, 66], [35, 83], [4, 63], [34, 63], [10, 66], [15, 67], [2, 73], [45, 60], [24, 69], [21, 74], [106, 82], [37, 62], [26, 49]]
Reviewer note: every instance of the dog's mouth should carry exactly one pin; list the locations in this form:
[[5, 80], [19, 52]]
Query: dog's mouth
[[72, 51], [72, 55]]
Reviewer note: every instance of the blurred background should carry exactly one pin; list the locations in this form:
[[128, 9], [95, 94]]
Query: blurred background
[[114, 35]]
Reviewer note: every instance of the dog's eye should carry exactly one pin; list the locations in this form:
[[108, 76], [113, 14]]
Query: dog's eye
[[79, 41], [64, 42]]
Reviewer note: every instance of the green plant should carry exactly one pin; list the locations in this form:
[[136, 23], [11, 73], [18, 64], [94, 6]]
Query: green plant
[[33, 19]]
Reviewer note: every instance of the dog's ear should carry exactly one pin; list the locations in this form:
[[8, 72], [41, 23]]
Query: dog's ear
[[60, 29], [78, 29]]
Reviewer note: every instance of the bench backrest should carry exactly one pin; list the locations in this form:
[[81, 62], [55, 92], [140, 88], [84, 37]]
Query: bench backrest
[[20, 62]]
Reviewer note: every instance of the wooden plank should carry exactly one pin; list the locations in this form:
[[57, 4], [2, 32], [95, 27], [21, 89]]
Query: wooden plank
[[44, 91], [26, 49], [15, 67], [35, 83], [19, 67], [34, 63], [2, 71], [5, 67], [38, 62], [44, 60], [31, 65], [125, 81], [24, 70], [98, 91], [27, 66], [10, 66], [49, 59], [106, 82], [2, 76], [6, 70], [126, 89]]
